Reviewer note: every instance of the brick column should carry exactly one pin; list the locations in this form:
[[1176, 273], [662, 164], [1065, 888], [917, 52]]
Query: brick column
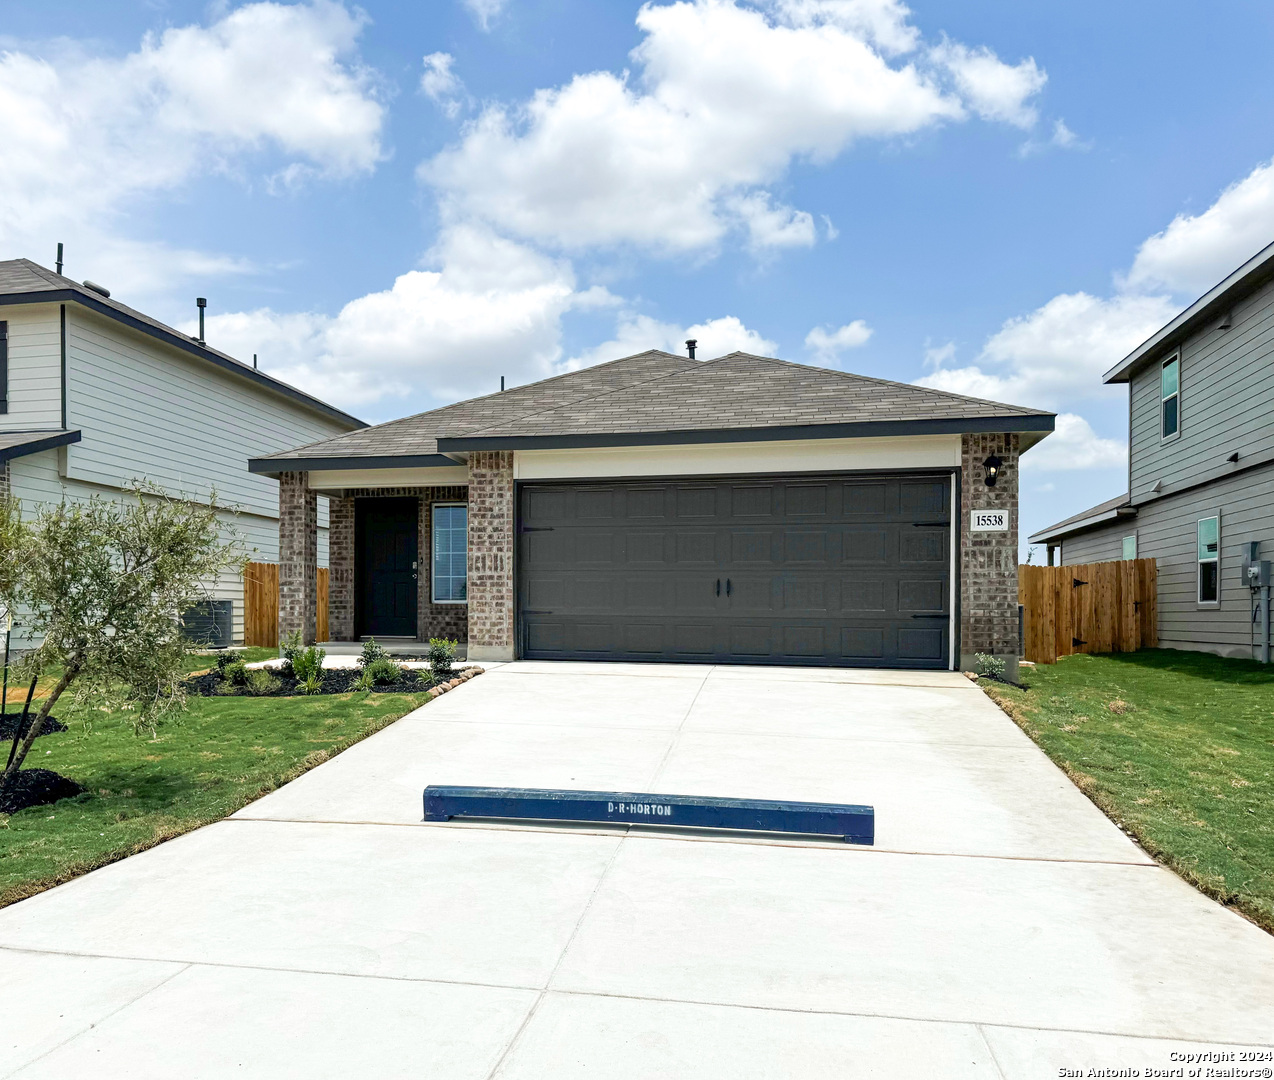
[[298, 556], [340, 562], [491, 555], [6, 484], [988, 560]]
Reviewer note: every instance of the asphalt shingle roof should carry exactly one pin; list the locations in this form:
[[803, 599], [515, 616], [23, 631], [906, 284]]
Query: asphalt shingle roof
[[654, 392], [1119, 502], [16, 444], [22, 277]]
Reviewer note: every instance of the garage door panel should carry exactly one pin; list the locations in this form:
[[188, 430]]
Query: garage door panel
[[826, 572]]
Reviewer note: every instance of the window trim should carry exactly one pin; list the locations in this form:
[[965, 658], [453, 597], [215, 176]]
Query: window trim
[[1123, 553], [4, 367], [433, 540], [1175, 358], [1199, 562]]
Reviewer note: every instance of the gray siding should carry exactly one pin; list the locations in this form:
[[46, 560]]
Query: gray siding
[[1227, 401], [35, 368], [1100, 545], [1166, 532]]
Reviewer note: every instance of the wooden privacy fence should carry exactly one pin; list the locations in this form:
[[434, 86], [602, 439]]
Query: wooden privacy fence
[[1088, 608], [261, 604]]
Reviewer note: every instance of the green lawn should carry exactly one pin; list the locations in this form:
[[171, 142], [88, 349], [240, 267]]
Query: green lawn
[[1176, 747], [216, 757]]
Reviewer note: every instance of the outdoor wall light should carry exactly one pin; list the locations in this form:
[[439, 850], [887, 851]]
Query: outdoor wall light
[[992, 465]]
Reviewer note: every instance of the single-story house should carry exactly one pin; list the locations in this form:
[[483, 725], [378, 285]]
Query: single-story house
[[95, 395], [657, 507], [1200, 466]]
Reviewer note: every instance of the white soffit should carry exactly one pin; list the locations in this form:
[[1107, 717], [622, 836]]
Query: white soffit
[[337, 479]]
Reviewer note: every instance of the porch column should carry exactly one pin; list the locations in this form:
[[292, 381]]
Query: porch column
[[988, 560], [298, 556], [490, 562], [340, 562]]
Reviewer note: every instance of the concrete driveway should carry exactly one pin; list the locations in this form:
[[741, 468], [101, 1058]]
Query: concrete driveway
[[1001, 926]]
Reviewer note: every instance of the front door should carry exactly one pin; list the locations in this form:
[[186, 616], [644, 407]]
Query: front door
[[385, 557]]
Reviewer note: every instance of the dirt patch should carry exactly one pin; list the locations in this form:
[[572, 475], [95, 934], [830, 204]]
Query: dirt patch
[[36, 787]]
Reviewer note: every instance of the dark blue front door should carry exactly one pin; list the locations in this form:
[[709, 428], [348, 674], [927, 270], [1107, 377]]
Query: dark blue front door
[[386, 557]]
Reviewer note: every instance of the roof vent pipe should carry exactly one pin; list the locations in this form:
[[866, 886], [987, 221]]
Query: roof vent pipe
[[59, 264], [690, 347], [95, 287], [201, 303], [502, 384], [254, 361]]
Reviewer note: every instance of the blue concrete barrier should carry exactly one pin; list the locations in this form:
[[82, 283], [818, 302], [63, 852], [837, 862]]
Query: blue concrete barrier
[[855, 824]]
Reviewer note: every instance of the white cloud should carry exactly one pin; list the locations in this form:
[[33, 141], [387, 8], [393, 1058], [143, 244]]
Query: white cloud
[[1075, 445], [637, 333], [1195, 252], [86, 136], [827, 344], [491, 308], [937, 355], [992, 88], [725, 98], [441, 84], [485, 11], [1058, 353]]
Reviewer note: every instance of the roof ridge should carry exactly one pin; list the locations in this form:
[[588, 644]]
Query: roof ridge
[[884, 382]]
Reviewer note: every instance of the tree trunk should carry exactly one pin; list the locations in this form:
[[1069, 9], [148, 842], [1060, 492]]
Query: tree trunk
[[37, 725]]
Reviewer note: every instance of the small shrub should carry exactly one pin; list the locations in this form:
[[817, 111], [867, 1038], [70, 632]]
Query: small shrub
[[988, 666], [260, 682], [234, 673], [372, 651], [225, 660], [312, 684], [383, 670], [291, 644], [225, 688], [441, 654], [365, 680], [308, 663]]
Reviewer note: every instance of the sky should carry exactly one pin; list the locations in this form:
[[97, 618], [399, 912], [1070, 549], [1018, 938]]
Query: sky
[[394, 205]]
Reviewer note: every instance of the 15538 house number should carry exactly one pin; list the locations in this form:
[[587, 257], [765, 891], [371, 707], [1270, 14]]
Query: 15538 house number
[[989, 521]]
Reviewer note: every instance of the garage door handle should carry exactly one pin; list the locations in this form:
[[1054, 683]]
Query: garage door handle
[[537, 612], [930, 524], [727, 586], [929, 616], [718, 586], [536, 528]]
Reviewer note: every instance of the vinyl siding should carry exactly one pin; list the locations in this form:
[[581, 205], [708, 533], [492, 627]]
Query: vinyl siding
[[36, 480], [1226, 396], [35, 368], [1166, 532], [148, 411]]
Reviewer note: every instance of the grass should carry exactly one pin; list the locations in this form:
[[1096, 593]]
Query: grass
[[217, 757], [1178, 749]]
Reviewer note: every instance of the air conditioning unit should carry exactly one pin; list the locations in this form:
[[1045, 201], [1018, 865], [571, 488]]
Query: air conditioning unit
[[210, 623]]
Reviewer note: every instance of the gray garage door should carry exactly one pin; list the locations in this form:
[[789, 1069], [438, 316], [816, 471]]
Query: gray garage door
[[828, 570]]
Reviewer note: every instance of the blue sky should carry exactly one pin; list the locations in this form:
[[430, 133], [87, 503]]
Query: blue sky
[[396, 204]]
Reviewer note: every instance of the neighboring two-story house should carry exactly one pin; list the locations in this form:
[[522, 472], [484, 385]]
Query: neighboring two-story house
[[1201, 465], [94, 395]]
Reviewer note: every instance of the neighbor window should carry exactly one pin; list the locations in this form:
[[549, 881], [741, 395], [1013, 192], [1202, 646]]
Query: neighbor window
[[1130, 546], [4, 367], [451, 552], [1169, 397], [1209, 560]]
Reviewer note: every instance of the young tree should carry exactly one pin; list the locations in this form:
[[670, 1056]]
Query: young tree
[[102, 585]]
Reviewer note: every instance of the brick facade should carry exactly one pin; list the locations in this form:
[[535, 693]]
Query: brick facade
[[340, 563], [5, 485], [298, 556], [432, 620], [491, 555], [988, 560]]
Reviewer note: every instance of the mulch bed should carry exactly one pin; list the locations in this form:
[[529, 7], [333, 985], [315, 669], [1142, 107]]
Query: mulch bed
[[335, 681], [36, 787], [10, 721]]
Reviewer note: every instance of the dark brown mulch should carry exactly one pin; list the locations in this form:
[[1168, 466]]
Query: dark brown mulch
[[9, 724], [36, 787], [335, 681]]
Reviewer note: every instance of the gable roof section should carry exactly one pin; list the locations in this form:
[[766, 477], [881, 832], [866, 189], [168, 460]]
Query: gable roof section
[[1211, 305], [1110, 510], [656, 397], [25, 282]]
